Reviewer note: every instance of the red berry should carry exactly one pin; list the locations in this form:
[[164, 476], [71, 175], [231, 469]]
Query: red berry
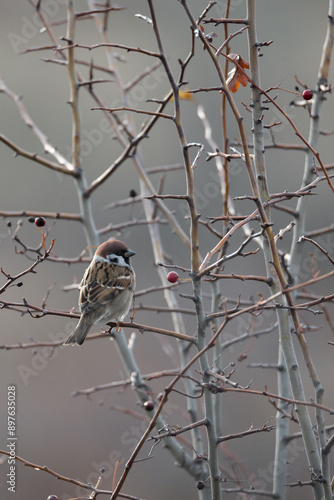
[[307, 95], [40, 221], [149, 405], [52, 497], [172, 277]]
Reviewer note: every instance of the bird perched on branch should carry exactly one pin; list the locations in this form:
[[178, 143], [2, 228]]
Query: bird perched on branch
[[106, 289]]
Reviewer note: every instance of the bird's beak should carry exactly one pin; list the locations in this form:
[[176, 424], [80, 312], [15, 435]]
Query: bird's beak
[[129, 253]]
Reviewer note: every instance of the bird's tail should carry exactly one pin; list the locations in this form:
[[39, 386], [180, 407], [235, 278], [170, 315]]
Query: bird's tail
[[79, 333]]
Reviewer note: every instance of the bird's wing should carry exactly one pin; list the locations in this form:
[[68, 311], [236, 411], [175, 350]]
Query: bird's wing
[[102, 283]]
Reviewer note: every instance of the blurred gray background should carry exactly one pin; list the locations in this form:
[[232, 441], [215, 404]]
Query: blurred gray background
[[78, 436]]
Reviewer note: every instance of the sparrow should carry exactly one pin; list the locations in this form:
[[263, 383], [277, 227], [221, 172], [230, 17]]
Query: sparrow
[[106, 289]]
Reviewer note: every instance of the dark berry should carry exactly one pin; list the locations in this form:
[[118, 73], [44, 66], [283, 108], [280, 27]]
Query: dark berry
[[200, 485], [149, 405], [52, 497], [31, 219], [19, 284], [307, 95], [133, 193], [172, 277], [9, 224], [40, 221]]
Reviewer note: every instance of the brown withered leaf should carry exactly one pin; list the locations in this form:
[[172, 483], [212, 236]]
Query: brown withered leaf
[[236, 76]]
